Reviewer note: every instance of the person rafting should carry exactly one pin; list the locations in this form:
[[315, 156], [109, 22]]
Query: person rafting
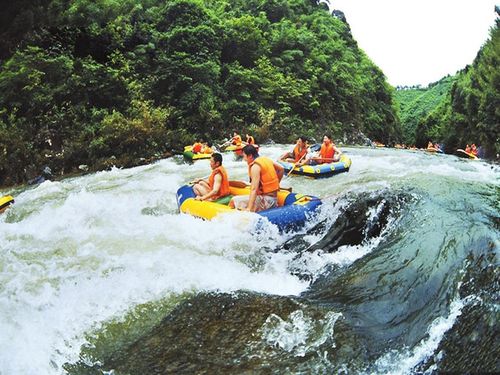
[[235, 140], [197, 146], [473, 149], [249, 139], [298, 153], [206, 148], [217, 184], [328, 153], [265, 176]]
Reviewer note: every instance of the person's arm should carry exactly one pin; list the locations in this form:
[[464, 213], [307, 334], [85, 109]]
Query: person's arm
[[215, 189], [254, 187], [286, 155], [280, 171]]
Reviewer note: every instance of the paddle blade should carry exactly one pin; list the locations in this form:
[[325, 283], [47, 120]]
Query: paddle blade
[[238, 184]]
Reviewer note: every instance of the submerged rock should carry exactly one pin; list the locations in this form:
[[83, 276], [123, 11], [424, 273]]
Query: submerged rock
[[238, 333]]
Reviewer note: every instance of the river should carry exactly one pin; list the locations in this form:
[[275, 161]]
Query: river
[[398, 273]]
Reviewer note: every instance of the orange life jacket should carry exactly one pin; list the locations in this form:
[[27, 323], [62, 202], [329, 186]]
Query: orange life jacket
[[269, 182], [250, 140], [224, 186], [236, 140], [299, 154], [326, 152], [207, 150], [197, 147]]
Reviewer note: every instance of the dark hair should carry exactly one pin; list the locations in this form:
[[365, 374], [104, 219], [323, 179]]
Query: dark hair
[[329, 136], [303, 139], [250, 150], [217, 157], [209, 144]]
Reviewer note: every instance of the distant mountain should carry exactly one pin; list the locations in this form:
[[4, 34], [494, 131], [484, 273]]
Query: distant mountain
[[472, 113], [416, 103]]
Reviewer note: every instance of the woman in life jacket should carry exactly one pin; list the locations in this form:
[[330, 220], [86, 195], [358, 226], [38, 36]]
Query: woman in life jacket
[[217, 185], [298, 153], [249, 140], [328, 153]]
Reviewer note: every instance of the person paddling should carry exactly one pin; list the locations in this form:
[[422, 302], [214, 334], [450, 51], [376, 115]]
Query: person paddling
[[207, 148], [235, 140], [217, 185], [298, 153], [265, 176], [249, 139], [328, 153]]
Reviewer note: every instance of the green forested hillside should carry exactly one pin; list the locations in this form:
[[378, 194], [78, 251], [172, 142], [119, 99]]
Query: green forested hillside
[[416, 103], [108, 81], [471, 111]]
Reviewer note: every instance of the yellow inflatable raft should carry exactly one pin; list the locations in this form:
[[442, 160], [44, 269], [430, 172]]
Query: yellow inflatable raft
[[5, 202], [190, 155], [293, 209]]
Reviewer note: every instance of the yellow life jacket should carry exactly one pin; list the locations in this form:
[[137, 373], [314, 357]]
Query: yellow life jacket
[[236, 140]]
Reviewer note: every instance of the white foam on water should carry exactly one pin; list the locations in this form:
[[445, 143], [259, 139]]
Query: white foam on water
[[85, 252], [299, 334], [405, 360], [82, 251]]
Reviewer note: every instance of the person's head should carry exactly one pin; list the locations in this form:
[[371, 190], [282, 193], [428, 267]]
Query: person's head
[[250, 153], [215, 160], [209, 144], [235, 133], [301, 141], [327, 139]]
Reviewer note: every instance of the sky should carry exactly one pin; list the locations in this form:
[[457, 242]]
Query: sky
[[419, 42]]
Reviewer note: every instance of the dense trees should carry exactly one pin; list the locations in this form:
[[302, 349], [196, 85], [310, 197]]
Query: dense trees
[[416, 103], [84, 80], [459, 110]]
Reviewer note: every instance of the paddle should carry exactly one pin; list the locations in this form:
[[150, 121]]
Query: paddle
[[199, 179], [332, 159], [315, 147], [225, 144], [294, 165]]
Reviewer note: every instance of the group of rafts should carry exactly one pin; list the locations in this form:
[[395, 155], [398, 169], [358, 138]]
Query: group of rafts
[[293, 209], [469, 152]]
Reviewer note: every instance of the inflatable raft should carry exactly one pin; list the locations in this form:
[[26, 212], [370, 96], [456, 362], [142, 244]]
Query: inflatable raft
[[434, 150], [293, 211], [238, 149], [5, 202], [190, 155], [319, 170], [465, 154]]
